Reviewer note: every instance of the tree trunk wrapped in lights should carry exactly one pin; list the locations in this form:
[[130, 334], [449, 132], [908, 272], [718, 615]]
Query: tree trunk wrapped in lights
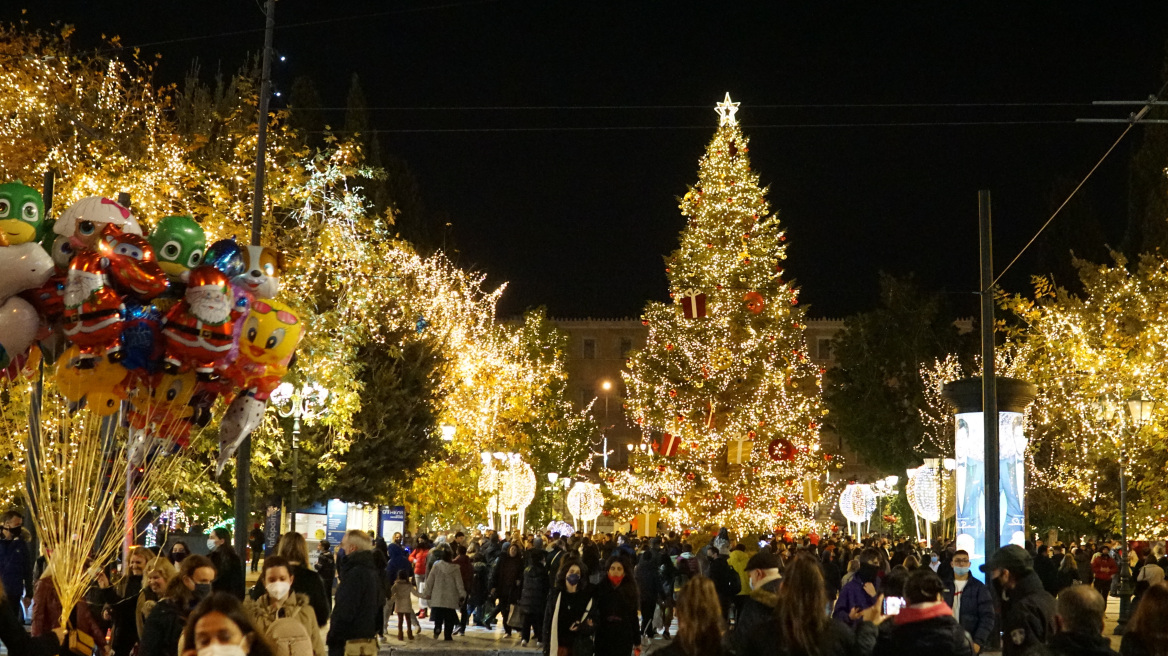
[[735, 376]]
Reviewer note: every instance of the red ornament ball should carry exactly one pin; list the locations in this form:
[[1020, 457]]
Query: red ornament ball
[[781, 449], [661, 468], [689, 476], [663, 501]]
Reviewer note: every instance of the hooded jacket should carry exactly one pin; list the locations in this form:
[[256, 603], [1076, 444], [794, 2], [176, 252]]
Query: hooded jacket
[[359, 600], [296, 606]]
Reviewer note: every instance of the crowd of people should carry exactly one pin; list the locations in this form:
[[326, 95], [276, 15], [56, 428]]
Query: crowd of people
[[586, 595]]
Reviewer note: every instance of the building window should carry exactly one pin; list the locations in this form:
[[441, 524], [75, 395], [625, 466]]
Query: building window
[[590, 349], [824, 349], [626, 346]]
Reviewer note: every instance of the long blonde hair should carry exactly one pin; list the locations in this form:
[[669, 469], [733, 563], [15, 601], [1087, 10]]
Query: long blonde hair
[[294, 548], [699, 618]]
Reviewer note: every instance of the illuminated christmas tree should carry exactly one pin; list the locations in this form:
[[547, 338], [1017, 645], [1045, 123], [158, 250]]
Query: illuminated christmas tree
[[728, 401]]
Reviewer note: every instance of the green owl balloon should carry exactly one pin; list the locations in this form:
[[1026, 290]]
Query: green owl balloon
[[178, 243], [22, 213]]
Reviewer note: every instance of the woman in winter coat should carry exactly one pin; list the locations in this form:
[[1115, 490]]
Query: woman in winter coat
[[158, 574], [121, 598], [648, 577], [164, 625], [418, 559], [568, 616], [507, 583], [1146, 633], [1067, 575], [798, 625], [925, 626], [279, 602], [533, 598], [615, 611], [445, 591], [294, 549]]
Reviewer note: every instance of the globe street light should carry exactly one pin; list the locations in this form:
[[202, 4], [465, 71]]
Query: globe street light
[[306, 402]]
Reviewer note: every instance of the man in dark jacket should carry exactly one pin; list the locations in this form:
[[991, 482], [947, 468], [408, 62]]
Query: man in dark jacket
[[360, 598], [971, 601], [467, 570], [229, 576], [648, 576], [725, 579], [763, 570], [1046, 569], [533, 597], [1079, 623], [1027, 609], [326, 566], [15, 562]]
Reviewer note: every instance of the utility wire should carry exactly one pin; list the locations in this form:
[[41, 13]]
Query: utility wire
[[707, 127], [288, 26], [1135, 118], [783, 106]]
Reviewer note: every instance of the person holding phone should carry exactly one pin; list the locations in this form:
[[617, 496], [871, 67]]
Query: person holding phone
[[925, 625]]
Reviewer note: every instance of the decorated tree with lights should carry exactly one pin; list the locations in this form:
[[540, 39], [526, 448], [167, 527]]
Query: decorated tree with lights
[[724, 391]]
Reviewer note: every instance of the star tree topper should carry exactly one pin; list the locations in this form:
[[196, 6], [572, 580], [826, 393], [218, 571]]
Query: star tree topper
[[726, 110]]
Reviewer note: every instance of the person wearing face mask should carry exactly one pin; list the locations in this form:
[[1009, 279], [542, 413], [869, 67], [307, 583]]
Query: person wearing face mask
[[163, 628], [156, 576], [617, 629], [567, 620], [1027, 609], [220, 627], [971, 601], [15, 562], [178, 551], [122, 599], [286, 618], [763, 582], [860, 592], [924, 626], [231, 578]]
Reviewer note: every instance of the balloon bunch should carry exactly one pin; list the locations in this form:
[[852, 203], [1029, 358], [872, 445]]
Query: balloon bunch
[[158, 325]]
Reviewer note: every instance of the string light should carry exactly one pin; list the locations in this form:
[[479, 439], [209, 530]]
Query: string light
[[735, 375]]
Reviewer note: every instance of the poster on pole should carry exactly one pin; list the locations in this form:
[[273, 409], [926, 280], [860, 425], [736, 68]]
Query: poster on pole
[[338, 521], [392, 520], [969, 447]]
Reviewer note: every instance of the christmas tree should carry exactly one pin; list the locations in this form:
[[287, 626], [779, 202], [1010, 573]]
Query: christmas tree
[[724, 392]]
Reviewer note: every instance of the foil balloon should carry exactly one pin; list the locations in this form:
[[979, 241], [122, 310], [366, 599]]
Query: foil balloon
[[22, 213], [141, 348], [271, 333], [18, 330], [197, 331], [178, 242], [161, 406], [83, 222], [94, 312], [243, 416], [100, 383], [132, 266], [226, 256], [23, 267], [262, 267]]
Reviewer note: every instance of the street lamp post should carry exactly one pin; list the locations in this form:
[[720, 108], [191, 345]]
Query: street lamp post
[[306, 402], [1139, 408]]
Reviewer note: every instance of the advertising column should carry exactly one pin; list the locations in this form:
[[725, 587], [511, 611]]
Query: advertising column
[[969, 451]]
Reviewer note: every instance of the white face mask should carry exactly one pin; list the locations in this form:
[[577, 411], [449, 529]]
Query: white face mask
[[211, 544], [279, 590], [224, 650]]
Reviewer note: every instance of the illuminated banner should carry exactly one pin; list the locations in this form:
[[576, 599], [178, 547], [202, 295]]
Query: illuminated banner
[[969, 452], [969, 446]]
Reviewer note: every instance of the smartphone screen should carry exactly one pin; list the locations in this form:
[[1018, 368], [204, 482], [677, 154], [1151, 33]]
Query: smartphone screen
[[892, 605]]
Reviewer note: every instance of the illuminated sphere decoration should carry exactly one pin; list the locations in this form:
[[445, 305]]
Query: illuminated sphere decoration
[[923, 494], [585, 501], [512, 480], [857, 503]]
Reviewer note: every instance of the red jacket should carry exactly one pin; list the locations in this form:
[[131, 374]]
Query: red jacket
[[1104, 568], [47, 615], [418, 557]]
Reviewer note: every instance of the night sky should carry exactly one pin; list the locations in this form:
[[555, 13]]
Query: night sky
[[578, 219]]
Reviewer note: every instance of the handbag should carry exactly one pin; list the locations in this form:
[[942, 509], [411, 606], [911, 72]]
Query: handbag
[[585, 643], [515, 617], [80, 643], [361, 647]]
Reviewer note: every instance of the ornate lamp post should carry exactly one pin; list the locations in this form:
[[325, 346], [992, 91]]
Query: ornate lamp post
[[306, 402], [1139, 411]]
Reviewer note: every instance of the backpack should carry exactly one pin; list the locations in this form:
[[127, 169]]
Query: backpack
[[289, 637]]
